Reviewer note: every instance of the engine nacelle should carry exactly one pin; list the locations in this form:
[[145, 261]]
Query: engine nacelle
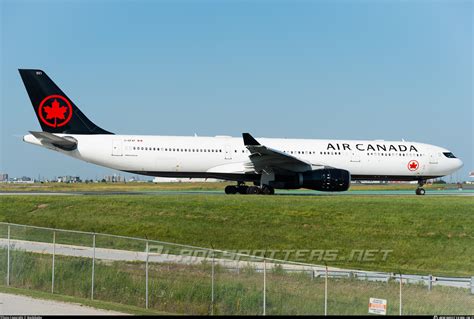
[[327, 180]]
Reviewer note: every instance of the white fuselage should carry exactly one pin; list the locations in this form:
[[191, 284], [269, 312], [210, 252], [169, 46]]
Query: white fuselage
[[227, 157]]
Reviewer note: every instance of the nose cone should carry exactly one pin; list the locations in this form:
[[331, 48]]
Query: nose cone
[[455, 165], [458, 164]]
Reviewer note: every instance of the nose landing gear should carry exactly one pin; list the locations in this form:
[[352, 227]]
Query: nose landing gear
[[420, 190]]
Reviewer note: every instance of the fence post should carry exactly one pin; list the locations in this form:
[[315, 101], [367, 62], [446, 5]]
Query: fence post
[[430, 282], [212, 285], [401, 281], [264, 286], [54, 255], [146, 275], [8, 257], [472, 285], [93, 267], [326, 293]]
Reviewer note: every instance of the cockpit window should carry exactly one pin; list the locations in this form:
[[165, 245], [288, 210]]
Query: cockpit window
[[449, 155]]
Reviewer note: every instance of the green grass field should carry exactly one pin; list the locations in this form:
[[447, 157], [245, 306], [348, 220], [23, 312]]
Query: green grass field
[[426, 234], [186, 289], [199, 186]]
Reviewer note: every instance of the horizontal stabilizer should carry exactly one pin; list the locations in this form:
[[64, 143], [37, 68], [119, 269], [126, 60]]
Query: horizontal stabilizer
[[65, 143]]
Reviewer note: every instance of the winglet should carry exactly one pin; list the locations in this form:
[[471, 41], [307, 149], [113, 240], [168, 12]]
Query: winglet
[[249, 140]]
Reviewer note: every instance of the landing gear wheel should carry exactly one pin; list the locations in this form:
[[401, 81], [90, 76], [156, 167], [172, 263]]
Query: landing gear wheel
[[253, 190], [420, 191], [230, 189], [268, 190], [242, 189]]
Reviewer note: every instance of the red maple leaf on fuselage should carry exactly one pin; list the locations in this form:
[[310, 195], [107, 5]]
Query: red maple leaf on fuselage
[[413, 165], [55, 111]]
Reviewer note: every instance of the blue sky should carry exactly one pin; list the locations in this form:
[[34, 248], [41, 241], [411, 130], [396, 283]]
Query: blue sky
[[308, 69]]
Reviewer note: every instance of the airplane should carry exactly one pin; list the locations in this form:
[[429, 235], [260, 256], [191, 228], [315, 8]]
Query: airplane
[[264, 163]]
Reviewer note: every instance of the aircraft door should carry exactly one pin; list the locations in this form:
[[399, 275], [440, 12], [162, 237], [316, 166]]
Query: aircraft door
[[228, 152], [117, 148], [355, 157], [355, 163], [433, 158]]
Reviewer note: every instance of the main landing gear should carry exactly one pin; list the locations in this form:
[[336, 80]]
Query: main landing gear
[[420, 190], [251, 190]]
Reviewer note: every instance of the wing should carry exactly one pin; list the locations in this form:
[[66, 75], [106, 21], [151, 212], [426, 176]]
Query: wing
[[269, 160]]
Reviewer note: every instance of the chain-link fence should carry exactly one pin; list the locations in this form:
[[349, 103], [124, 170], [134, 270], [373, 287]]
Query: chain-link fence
[[184, 279]]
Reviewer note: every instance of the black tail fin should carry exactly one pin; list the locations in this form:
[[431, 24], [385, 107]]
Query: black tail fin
[[55, 111]]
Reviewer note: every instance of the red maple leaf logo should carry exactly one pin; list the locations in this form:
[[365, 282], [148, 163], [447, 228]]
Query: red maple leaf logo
[[413, 165], [55, 111]]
